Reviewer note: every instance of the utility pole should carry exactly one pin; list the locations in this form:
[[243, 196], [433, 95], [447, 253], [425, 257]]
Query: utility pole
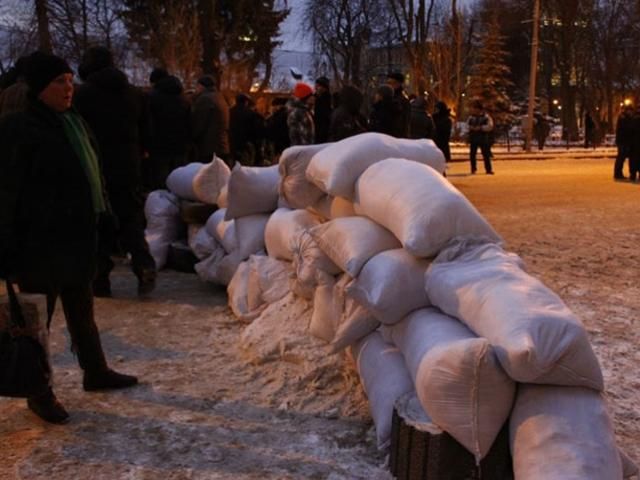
[[44, 35], [532, 74]]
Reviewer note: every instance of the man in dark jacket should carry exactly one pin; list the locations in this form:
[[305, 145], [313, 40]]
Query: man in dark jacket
[[52, 202], [480, 126], [443, 125], [624, 141], [421, 124], [169, 130], [210, 121], [246, 128], [347, 120], [401, 105], [277, 131], [322, 110], [381, 117], [117, 114]]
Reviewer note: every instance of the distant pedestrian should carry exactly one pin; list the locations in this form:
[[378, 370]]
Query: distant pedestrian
[[169, 128], [624, 141], [541, 129], [246, 132], [634, 158], [589, 131], [323, 109], [421, 123], [347, 120], [381, 117], [401, 105], [480, 126], [13, 89], [277, 130], [117, 113], [443, 125], [300, 117], [210, 122]]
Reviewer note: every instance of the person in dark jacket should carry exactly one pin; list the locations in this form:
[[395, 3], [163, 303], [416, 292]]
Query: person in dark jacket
[[52, 206], [381, 117], [347, 120], [624, 141], [117, 114], [589, 131], [421, 124], [13, 89], [541, 129], [246, 127], [401, 105], [634, 158], [277, 130], [169, 130], [480, 125], [442, 128], [300, 118], [323, 109], [210, 121]]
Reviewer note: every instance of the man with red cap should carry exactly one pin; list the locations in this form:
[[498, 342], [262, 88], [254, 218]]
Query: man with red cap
[[300, 119]]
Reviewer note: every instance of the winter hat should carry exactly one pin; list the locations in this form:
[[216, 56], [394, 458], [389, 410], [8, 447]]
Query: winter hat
[[385, 91], [94, 60], [302, 91], [42, 68], [397, 76], [157, 74], [323, 82], [207, 81]]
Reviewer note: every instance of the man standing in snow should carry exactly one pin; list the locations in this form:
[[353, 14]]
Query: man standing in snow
[[480, 126]]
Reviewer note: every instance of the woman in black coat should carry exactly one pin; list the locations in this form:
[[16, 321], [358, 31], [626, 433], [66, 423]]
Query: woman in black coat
[[52, 199], [382, 111], [442, 133]]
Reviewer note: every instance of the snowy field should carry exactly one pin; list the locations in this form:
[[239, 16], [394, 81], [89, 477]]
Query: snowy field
[[208, 408]]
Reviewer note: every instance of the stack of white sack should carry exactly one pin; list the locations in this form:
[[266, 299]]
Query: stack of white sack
[[164, 226], [294, 187], [200, 182], [250, 197]]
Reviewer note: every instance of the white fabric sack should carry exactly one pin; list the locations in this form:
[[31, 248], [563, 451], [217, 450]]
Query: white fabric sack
[[199, 182], [250, 232], [294, 186], [252, 190], [325, 312], [629, 468], [536, 337], [385, 378], [562, 433], [200, 242], [223, 231], [223, 200], [309, 259], [238, 293], [351, 241], [336, 168], [457, 377], [207, 269], [355, 323], [391, 285], [164, 225], [329, 207], [419, 206], [283, 230]]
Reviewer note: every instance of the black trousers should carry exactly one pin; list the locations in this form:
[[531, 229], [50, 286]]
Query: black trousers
[[128, 206], [77, 303], [485, 148], [624, 152]]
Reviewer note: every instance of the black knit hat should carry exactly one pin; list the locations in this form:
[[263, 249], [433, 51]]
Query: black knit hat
[[42, 68], [157, 74], [207, 81], [323, 82], [397, 76], [94, 60]]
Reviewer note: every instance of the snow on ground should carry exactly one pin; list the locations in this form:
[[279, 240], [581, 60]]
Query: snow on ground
[[214, 406]]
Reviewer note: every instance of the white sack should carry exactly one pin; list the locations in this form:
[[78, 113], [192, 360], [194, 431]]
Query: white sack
[[309, 259], [250, 234], [199, 182], [351, 241], [325, 311], [536, 337], [419, 206], [200, 242], [355, 323], [562, 433], [223, 231], [283, 230], [237, 291], [329, 207], [252, 190], [384, 377], [164, 226], [294, 186], [391, 285], [457, 377], [336, 168], [223, 198], [207, 269]]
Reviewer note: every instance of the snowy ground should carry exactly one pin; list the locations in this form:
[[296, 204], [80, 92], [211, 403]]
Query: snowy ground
[[209, 409]]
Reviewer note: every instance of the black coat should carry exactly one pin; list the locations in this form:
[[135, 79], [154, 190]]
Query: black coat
[[47, 221], [381, 117], [401, 114], [246, 127], [118, 115], [170, 117], [322, 117], [421, 125], [442, 133]]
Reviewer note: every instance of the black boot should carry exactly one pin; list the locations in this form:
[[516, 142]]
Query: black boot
[[107, 380], [146, 281], [48, 408]]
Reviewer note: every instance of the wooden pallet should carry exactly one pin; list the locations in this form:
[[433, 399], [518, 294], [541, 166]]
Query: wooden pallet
[[422, 451]]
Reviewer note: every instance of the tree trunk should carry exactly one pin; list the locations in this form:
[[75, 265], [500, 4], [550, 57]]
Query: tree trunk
[[44, 35], [210, 44]]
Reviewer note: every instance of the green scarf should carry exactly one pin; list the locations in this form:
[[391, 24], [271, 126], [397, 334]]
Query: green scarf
[[79, 139]]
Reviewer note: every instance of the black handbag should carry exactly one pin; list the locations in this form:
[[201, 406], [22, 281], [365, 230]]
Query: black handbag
[[24, 363]]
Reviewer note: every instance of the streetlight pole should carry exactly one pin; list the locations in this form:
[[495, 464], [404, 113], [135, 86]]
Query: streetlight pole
[[532, 74]]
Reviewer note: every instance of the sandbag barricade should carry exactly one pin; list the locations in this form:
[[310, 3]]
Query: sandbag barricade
[[199, 182], [164, 226]]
